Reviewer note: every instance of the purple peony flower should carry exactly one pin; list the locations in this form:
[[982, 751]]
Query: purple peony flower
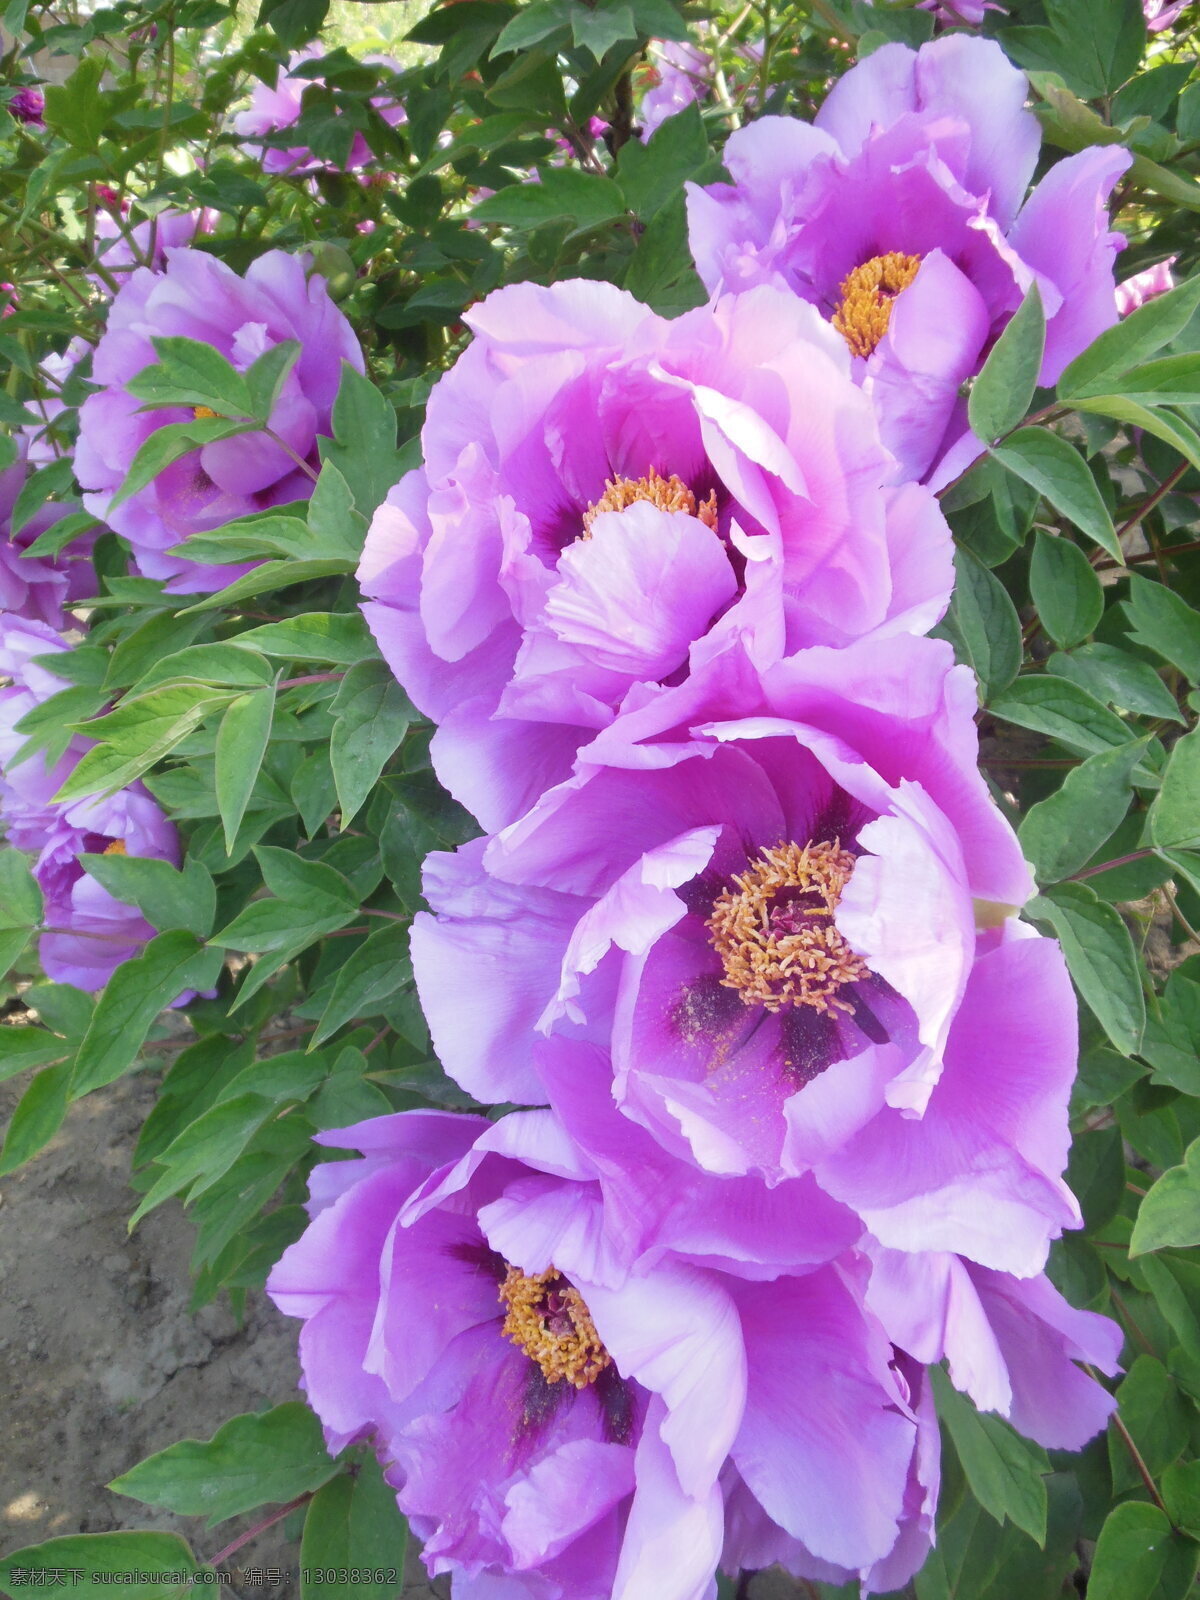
[[274, 109], [1145, 285], [607, 495], [782, 901], [28, 105], [201, 298], [558, 1426], [1161, 14], [88, 932], [682, 74], [39, 587], [901, 214]]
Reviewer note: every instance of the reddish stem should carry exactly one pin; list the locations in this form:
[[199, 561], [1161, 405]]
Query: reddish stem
[[1108, 866], [311, 677], [260, 1527]]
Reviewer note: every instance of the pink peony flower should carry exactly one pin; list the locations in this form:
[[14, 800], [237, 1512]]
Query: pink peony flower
[[273, 110], [28, 105], [1145, 285], [606, 496], [902, 214], [199, 297]]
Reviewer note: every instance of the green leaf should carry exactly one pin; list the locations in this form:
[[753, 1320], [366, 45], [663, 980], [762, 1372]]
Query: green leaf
[[240, 747], [1003, 1470], [76, 108], [137, 735], [1181, 1495], [206, 1149], [1001, 394], [192, 373], [1169, 1216], [1155, 1417], [267, 374], [1060, 474], [354, 1527], [313, 792], [341, 639], [136, 993], [105, 1557], [1062, 833], [1118, 678], [262, 1458], [1061, 710], [371, 716], [1139, 1558], [1175, 814], [598, 28], [985, 625], [217, 664], [1065, 589], [171, 443], [1096, 1175], [166, 896], [1164, 623], [336, 528], [1162, 424], [37, 1118], [49, 482], [650, 174], [1129, 342], [1101, 958], [564, 194], [292, 878], [20, 897], [271, 575], [23, 1045], [375, 971]]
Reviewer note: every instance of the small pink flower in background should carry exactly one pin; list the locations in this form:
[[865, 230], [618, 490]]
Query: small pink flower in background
[[9, 292], [1161, 14], [683, 73], [28, 106], [89, 933], [1145, 285], [39, 587], [121, 247], [271, 111]]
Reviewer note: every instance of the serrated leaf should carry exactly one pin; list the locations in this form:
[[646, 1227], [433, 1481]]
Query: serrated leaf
[[371, 716], [1001, 394], [165, 895], [136, 993], [1101, 958], [240, 746], [106, 1560], [262, 1458], [1065, 590], [1060, 475], [1060, 834], [1003, 1470], [1169, 1216]]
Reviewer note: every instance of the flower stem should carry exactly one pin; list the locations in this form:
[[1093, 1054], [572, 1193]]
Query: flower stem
[[260, 1527]]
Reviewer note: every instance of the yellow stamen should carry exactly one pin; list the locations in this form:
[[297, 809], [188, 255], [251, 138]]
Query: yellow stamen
[[865, 309], [668, 494], [775, 932], [116, 848], [200, 412], [548, 1319]]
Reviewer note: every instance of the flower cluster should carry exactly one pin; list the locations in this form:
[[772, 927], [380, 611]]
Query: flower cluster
[[742, 932]]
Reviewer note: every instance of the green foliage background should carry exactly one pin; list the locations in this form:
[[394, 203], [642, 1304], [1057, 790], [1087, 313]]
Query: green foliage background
[[264, 722]]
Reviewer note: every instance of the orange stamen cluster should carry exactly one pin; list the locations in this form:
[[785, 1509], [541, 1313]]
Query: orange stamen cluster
[[201, 412], [865, 309], [775, 932], [668, 494], [116, 848], [547, 1318]]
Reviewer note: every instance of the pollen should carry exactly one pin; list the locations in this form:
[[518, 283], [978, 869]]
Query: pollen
[[668, 494], [865, 309], [547, 1318], [116, 848], [200, 412], [775, 934]]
